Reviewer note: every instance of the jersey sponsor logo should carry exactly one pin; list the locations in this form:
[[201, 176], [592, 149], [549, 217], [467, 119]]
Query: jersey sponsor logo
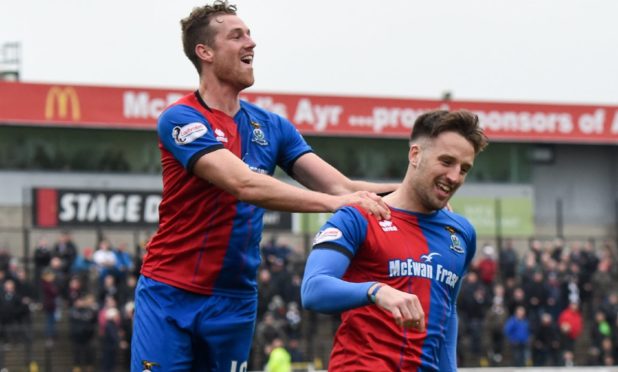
[[429, 257], [427, 270], [327, 235], [188, 133], [455, 243], [387, 226], [220, 136]]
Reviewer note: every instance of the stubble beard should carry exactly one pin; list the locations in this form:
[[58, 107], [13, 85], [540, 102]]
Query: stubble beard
[[239, 79]]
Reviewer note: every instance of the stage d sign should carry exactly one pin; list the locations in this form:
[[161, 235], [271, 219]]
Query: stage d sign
[[63, 207]]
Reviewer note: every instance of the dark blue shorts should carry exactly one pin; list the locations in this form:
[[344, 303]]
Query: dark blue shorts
[[176, 330]]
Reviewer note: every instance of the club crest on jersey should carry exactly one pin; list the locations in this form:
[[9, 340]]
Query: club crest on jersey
[[147, 365], [188, 133], [387, 225], [455, 243], [327, 235], [258, 135]]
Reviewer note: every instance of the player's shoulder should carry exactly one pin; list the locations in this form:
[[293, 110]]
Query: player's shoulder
[[457, 220], [181, 112], [183, 105], [260, 113]]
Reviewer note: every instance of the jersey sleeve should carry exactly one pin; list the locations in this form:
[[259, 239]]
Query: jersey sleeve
[[186, 133], [345, 231], [293, 145], [334, 246]]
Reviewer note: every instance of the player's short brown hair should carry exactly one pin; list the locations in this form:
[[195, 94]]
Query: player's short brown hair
[[196, 30], [431, 124]]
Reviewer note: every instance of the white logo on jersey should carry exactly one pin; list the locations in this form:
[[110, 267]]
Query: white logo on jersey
[[428, 257], [220, 135], [188, 133], [427, 270], [327, 235], [387, 225]]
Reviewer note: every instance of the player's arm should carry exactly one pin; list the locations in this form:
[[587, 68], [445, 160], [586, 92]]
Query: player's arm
[[316, 174], [225, 170], [323, 290]]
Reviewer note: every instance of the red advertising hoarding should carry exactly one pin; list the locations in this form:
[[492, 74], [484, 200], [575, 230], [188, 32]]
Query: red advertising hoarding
[[58, 105]]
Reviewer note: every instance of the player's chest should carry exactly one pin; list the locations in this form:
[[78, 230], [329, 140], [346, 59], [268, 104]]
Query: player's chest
[[251, 141], [411, 249]]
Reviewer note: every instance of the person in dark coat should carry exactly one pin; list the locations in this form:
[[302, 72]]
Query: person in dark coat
[[83, 326]]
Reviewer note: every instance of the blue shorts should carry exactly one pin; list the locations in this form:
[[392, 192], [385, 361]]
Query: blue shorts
[[176, 330]]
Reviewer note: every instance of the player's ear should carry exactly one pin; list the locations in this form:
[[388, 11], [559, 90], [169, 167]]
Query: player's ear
[[204, 52], [414, 155]]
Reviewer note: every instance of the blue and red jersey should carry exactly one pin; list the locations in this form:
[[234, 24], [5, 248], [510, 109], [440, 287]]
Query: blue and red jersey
[[208, 241], [423, 254]]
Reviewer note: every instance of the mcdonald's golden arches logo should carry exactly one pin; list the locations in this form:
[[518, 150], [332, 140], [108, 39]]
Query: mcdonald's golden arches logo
[[60, 98]]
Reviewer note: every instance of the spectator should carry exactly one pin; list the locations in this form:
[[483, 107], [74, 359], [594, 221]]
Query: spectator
[[571, 326], [599, 331], [82, 329], [124, 263], [472, 304], [126, 332], [517, 333], [266, 291], [554, 296], [546, 343], [279, 359], [518, 298], [609, 306], [296, 354], [536, 294], [11, 309], [51, 295], [508, 261], [42, 258], [110, 341], [126, 292], [108, 289], [266, 332], [495, 320], [105, 260], [27, 292], [487, 266], [66, 250], [557, 250], [274, 251], [83, 267]]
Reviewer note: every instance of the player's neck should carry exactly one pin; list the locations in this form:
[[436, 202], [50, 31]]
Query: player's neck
[[220, 97], [405, 198]]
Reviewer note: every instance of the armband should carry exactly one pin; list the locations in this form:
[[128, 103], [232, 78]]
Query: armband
[[374, 292]]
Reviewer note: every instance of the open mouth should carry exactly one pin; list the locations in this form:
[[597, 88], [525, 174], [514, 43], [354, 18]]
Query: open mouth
[[445, 189], [247, 60]]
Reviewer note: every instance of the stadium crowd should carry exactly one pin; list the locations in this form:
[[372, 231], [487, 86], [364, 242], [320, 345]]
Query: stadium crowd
[[552, 304], [556, 304], [91, 289]]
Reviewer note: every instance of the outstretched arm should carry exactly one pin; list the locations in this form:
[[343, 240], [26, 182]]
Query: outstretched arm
[[316, 174], [225, 170]]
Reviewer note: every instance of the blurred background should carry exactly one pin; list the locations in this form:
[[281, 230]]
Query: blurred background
[[81, 86]]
